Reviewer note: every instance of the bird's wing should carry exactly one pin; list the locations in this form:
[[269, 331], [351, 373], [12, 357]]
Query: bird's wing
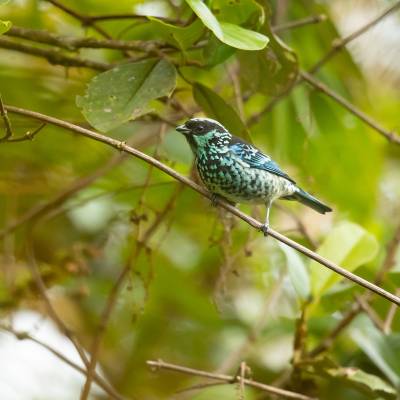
[[255, 158]]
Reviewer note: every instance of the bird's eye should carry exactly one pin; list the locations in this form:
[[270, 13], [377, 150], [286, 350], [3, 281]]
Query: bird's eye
[[200, 128]]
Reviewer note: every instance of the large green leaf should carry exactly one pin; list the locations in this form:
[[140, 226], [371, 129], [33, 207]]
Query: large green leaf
[[230, 34], [124, 93], [348, 245], [373, 386], [273, 70], [383, 350], [242, 38], [216, 107]]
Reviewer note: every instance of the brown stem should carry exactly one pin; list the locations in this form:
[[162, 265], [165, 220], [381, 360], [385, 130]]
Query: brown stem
[[112, 298], [122, 146], [75, 43], [53, 56], [338, 44], [313, 19], [97, 378], [159, 364], [391, 136]]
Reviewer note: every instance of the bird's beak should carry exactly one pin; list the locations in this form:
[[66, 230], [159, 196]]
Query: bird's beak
[[182, 129]]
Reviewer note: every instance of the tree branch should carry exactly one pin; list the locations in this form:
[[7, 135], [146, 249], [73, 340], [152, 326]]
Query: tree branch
[[313, 19], [6, 120], [356, 308], [97, 378], [159, 364], [340, 43], [75, 43], [391, 136], [122, 146], [113, 296], [86, 21], [337, 45], [53, 56]]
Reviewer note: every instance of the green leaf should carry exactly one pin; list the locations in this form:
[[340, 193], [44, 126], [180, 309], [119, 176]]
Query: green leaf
[[242, 38], [206, 16], [271, 71], [348, 245], [124, 93], [368, 383], [182, 37], [383, 350], [215, 52], [230, 34], [239, 12], [4, 26], [373, 386], [298, 272], [216, 107]]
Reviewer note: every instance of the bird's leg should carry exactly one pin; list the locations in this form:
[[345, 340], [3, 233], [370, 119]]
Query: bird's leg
[[265, 227], [214, 199]]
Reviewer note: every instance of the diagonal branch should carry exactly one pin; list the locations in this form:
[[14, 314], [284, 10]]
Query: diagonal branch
[[113, 296], [391, 136], [97, 378], [122, 146], [159, 364], [356, 308], [86, 21], [339, 44]]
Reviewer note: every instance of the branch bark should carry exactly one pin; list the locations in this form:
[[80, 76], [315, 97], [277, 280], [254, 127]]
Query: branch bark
[[122, 146], [159, 364], [390, 136]]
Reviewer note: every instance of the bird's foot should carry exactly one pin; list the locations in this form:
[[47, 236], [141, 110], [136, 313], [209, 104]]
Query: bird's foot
[[214, 199], [265, 229]]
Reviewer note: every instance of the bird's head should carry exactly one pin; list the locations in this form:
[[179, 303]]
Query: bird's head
[[202, 132]]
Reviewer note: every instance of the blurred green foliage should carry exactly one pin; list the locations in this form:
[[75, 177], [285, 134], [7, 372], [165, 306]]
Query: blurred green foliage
[[204, 291]]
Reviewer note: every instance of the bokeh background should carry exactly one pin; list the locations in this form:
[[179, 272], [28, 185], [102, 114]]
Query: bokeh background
[[204, 290]]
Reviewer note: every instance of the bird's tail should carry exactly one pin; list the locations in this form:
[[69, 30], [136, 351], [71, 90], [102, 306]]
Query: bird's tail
[[310, 201]]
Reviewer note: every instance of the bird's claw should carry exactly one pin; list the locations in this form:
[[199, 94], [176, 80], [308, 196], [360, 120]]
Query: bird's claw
[[265, 229], [214, 200]]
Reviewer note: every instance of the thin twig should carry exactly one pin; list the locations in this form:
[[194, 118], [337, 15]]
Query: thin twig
[[7, 123], [53, 56], [39, 210], [97, 378], [113, 296], [313, 19], [373, 316], [108, 17], [75, 43], [86, 21], [159, 364], [122, 146], [255, 118], [356, 308], [43, 292], [29, 135], [340, 43], [391, 136], [387, 324]]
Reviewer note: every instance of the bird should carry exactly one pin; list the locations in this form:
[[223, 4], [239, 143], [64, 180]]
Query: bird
[[239, 172]]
